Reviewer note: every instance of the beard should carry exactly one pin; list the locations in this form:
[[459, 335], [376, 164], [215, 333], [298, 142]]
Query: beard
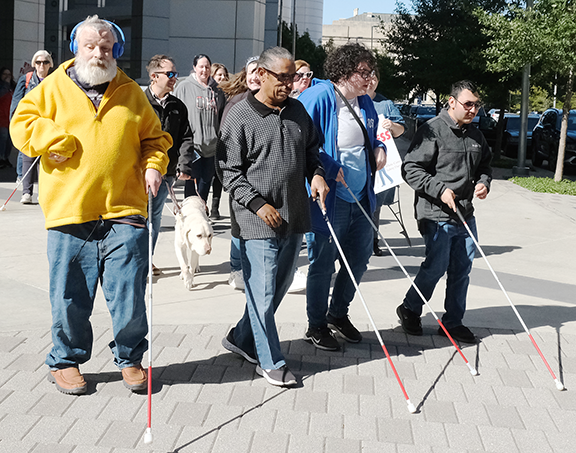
[[95, 71]]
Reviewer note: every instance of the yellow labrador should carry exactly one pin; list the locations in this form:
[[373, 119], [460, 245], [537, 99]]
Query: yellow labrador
[[193, 237]]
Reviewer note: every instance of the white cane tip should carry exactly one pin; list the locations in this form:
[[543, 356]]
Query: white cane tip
[[148, 436], [411, 407], [2, 208], [559, 385], [474, 372]]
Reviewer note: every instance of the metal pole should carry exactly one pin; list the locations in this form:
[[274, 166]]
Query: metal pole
[[521, 169], [294, 28], [280, 26]]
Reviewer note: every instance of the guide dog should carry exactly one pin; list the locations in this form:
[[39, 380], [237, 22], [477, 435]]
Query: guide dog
[[193, 237]]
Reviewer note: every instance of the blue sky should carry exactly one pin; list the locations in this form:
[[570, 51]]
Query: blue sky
[[340, 9]]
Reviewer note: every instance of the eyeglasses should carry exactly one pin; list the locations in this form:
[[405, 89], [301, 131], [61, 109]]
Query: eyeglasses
[[285, 78], [307, 75], [169, 74], [469, 105], [366, 75], [39, 62]]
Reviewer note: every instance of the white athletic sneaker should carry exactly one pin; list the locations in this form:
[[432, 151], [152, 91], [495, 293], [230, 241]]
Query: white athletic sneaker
[[236, 280], [26, 199], [299, 282]]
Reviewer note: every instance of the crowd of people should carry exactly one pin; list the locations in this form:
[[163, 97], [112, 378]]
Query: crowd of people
[[292, 151]]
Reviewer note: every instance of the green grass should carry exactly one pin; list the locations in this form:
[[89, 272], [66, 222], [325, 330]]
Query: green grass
[[546, 185]]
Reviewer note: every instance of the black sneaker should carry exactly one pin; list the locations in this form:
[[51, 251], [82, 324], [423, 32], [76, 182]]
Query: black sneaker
[[459, 333], [411, 322], [228, 343], [282, 376], [322, 338], [344, 328]]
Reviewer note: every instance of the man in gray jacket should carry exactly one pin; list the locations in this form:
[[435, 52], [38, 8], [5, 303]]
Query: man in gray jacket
[[448, 164]]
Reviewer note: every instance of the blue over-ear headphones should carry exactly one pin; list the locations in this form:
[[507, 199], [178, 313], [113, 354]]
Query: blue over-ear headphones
[[117, 49]]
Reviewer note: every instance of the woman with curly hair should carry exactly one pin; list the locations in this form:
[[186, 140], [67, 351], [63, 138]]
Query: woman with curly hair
[[347, 123]]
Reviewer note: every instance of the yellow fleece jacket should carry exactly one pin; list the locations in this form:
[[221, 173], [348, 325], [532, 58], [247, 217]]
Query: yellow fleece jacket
[[108, 149]]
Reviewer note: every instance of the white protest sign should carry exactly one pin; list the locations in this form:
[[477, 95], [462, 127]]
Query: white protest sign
[[390, 176]]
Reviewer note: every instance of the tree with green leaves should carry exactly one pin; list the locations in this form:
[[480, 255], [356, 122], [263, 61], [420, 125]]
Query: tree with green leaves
[[437, 42], [544, 35], [305, 49]]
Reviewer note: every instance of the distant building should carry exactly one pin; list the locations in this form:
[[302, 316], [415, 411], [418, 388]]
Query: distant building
[[362, 28], [228, 31]]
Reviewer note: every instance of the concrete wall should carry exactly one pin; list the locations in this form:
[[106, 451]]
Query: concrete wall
[[28, 31]]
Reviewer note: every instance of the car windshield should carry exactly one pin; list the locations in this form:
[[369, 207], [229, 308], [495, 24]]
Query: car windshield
[[513, 123], [426, 111], [572, 121]]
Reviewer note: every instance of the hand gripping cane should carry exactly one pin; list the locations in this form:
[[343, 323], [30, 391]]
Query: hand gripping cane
[[559, 384], [148, 434], [411, 407], [473, 372]]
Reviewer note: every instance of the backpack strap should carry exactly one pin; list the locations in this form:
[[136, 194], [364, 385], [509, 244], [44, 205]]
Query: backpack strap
[[28, 77]]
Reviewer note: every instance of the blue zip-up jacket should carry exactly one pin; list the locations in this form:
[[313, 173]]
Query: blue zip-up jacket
[[320, 102]]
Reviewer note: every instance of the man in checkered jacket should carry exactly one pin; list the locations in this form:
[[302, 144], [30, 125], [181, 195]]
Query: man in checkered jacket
[[268, 148]]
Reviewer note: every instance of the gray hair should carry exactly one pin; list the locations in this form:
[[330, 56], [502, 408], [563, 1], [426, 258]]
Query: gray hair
[[272, 55], [45, 54], [97, 24]]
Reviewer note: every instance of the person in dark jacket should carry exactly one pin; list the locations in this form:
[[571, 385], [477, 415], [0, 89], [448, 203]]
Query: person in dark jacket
[[42, 63], [173, 115], [448, 164]]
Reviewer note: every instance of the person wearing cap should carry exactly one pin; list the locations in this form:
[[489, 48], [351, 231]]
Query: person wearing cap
[[102, 150], [42, 63]]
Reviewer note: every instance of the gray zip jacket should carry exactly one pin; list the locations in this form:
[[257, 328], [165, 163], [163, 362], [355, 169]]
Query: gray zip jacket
[[205, 106], [442, 155]]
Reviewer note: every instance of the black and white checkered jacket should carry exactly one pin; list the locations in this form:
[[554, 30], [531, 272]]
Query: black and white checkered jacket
[[264, 156]]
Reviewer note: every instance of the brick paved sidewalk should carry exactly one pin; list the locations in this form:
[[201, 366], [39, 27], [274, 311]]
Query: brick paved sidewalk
[[209, 400]]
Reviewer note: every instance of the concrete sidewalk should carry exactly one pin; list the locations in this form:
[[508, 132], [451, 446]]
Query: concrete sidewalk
[[208, 400]]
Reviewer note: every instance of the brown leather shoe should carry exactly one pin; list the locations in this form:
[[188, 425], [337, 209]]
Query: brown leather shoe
[[69, 381], [135, 378]]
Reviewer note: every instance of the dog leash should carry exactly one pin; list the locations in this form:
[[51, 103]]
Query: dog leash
[[177, 208]]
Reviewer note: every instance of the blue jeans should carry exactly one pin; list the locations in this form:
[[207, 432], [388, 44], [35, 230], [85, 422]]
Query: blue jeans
[[203, 170], [114, 254], [449, 249], [354, 233], [268, 267], [157, 208], [235, 257], [19, 165]]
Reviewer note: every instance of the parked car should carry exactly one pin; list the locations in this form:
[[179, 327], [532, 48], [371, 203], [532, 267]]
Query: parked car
[[487, 126], [495, 113], [415, 116], [511, 137], [546, 136]]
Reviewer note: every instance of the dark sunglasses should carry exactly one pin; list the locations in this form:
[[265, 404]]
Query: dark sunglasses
[[285, 78], [169, 74], [308, 74], [471, 105], [39, 62]]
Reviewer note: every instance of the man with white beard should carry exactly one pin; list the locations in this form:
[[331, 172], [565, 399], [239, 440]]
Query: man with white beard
[[102, 149]]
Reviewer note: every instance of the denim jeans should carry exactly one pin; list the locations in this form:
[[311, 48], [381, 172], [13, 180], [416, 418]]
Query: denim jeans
[[449, 249], [114, 254], [268, 267], [19, 164], [354, 233], [235, 258], [28, 182], [203, 170], [157, 208]]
